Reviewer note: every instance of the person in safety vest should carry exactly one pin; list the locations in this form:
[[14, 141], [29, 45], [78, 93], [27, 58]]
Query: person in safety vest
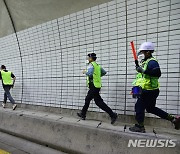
[[149, 84], [94, 74], [8, 80]]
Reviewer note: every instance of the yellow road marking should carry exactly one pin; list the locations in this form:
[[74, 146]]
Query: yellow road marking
[[3, 152]]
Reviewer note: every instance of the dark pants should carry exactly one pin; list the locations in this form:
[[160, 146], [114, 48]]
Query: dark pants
[[7, 94], [147, 101], [93, 93]]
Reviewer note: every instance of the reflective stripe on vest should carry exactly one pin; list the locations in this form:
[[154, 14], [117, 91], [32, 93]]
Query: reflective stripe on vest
[[6, 78], [149, 82], [96, 75]]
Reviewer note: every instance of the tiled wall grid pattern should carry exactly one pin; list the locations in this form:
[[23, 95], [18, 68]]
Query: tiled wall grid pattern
[[52, 55]]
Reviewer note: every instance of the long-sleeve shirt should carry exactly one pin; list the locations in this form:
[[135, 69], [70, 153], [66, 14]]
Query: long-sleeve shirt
[[153, 69], [90, 71]]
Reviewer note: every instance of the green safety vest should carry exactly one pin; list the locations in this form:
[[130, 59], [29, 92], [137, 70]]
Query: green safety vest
[[138, 80], [145, 81], [96, 75], [6, 78]]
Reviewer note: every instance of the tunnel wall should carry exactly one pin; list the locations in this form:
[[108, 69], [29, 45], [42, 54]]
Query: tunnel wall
[[53, 55], [29, 13]]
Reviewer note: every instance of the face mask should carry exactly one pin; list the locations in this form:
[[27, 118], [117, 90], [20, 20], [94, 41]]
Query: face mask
[[87, 62], [140, 57]]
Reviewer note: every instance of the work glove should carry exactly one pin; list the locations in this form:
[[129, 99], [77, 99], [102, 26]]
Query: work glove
[[140, 69]]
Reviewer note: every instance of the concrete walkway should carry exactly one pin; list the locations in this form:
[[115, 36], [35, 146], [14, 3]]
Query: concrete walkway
[[72, 135], [15, 145]]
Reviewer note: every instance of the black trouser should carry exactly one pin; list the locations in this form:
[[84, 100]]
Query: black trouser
[[147, 101], [7, 94], [93, 93]]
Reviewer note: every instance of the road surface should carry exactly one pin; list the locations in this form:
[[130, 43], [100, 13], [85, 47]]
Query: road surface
[[13, 145]]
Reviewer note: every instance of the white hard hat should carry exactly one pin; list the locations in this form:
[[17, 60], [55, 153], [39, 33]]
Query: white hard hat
[[149, 46]]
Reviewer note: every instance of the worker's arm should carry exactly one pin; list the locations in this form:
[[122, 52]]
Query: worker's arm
[[153, 69], [14, 79], [103, 72], [90, 70]]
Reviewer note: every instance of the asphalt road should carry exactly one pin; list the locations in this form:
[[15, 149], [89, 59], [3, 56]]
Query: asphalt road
[[13, 145]]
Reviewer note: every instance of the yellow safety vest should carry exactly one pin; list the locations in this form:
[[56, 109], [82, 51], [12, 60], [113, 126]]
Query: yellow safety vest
[[145, 81], [6, 78], [96, 75]]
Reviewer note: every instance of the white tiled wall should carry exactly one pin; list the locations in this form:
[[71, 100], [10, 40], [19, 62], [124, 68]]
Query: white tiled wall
[[53, 54], [10, 56]]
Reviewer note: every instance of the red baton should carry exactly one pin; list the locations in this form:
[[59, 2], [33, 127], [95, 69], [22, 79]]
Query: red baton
[[134, 53]]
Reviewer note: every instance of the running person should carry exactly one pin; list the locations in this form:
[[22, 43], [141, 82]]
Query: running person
[[149, 83], [8, 80], [94, 74]]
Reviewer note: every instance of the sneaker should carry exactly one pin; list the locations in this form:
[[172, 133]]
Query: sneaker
[[137, 128], [114, 118], [81, 116], [176, 123], [4, 105], [14, 106]]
